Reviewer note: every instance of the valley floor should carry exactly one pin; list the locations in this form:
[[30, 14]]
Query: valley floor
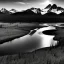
[[43, 56]]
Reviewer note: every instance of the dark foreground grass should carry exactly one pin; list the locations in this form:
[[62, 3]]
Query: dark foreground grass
[[42, 56]]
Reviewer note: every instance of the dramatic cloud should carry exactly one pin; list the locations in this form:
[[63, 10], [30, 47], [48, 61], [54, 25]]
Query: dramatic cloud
[[58, 0], [30, 0], [21, 0], [23, 3], [46, 2]]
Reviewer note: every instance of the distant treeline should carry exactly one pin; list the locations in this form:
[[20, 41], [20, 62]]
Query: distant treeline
[[31, 18]]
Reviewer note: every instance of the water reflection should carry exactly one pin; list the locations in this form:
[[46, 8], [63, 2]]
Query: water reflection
[[29, 42]]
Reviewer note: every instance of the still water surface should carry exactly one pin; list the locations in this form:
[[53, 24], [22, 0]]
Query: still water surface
[[29, 43]]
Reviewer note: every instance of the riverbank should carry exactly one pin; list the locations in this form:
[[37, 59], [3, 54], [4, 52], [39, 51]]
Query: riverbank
[[8, 34], [10, 31]]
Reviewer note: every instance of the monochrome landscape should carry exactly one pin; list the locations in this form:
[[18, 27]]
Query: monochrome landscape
[[34, 35]]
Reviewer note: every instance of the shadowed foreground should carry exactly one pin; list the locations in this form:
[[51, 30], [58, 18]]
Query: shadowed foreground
[[43, 56]]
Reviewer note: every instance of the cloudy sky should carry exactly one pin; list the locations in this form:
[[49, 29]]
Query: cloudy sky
[[24, 4]]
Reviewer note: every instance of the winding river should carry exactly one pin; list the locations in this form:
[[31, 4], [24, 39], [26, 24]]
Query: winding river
[[29, 42]]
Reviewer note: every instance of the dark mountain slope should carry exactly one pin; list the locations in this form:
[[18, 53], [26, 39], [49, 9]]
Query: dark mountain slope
[[27, 12], [50, 14], [61, 14]]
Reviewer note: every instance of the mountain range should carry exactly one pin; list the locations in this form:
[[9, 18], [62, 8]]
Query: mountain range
[[5, 11], [54, 8], [50, 8], [51, 13]]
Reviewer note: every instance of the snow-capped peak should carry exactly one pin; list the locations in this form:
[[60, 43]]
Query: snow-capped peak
[[53, 8], [4, 10], [13, 11], [36, 10]]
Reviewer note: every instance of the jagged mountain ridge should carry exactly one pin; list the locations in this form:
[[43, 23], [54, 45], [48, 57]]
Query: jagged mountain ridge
[[5, 11], [31, 11], [50, 8], [54, 8], [28, 11]]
